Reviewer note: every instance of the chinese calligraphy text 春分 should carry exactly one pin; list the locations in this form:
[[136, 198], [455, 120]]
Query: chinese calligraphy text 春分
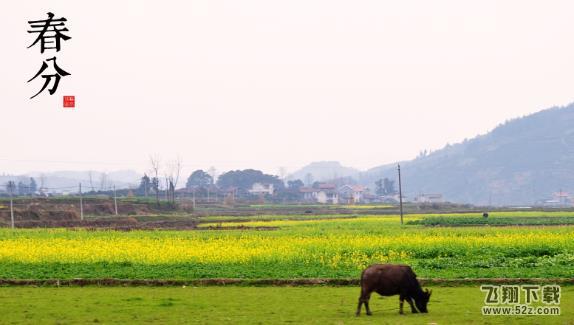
[[51, 33]]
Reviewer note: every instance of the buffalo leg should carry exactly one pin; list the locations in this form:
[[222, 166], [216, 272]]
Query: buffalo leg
[[364, 299], [402, 297], [359, 307], [368, 309], [413, 309]]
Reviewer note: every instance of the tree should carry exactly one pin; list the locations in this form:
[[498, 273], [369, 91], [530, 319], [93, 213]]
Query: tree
[[295, 185], [103, 181], [385, 187], [389, 186], [176, 167], [292, 193], [199, 178], [172, 177], [33, 186], [11, 187], [171, 190], [42, 183], [22, 188], [91, 179], [155, 163], [244, 179], [379, 190], [145, 184], [155, 186]]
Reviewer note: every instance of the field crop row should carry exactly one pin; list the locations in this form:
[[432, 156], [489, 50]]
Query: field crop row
[[497, 221]]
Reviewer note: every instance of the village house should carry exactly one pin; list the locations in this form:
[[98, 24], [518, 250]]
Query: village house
[[559, 199], [324, 193], [353, 194], [391, 198], [261, 189]]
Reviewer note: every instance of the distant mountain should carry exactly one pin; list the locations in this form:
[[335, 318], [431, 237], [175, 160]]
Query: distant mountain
[[519, 162], [324, 170], [68, 181]]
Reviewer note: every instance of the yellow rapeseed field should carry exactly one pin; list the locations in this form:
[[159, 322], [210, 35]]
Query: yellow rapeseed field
[[337, 247], [332, 250]]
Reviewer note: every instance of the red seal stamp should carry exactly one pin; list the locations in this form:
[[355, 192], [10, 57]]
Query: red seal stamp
[[69, 101]]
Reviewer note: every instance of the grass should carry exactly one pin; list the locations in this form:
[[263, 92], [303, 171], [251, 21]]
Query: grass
[[214, 220], [247, 305], [243, 220], [492, 221], [324, 206]]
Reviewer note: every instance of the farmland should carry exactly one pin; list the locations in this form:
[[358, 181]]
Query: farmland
[[331, 247], [500, 221], [244, 305], [107, 276]]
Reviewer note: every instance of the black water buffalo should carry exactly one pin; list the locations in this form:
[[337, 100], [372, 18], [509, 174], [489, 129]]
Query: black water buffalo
[[390, 280]]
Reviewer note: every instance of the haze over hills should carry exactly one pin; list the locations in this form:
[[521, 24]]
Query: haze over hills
[[324, 170], [519, 162], [68, 181]]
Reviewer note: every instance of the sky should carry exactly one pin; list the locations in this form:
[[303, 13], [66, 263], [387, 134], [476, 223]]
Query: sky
[[268, 84]]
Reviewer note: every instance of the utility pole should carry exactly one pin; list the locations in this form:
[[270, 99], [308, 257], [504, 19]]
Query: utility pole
[[11, 186], [400, 193], [81, 204], [115, 200]]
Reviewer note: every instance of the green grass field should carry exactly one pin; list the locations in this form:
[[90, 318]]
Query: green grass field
[[246, 305], [457, 221]]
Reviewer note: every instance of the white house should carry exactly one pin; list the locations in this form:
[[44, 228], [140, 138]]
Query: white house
[[259, 188], [353, 193], [324, 193], [325, 196]]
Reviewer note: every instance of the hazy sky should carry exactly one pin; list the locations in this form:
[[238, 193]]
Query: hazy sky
[[263, 84]]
